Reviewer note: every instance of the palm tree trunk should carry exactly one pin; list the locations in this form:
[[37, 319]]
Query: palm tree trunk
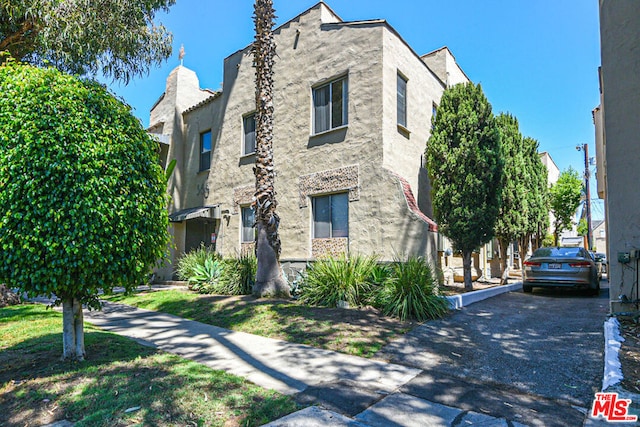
[[269, 279]]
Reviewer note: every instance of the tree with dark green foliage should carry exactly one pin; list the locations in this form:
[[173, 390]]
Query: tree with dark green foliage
[[513, 217], [537, 192], [465, 163], [115, 37], [565, 195], [82, 194]]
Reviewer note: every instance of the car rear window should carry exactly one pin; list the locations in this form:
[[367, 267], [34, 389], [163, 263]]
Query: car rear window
[[558, 252]]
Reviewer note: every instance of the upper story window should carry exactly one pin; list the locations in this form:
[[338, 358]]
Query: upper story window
[[434, 112], [331, 216], [205, 150], [402, 100], [249, 132], [330, 105], [248, 233]]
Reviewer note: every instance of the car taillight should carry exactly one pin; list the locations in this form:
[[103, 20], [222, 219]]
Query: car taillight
[[580, 264], [532, 264]]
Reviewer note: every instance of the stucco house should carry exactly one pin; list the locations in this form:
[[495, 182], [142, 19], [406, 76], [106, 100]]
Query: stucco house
[[617, 135], [353, 108]]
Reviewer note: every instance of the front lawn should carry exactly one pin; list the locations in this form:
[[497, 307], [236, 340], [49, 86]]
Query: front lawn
[[361, 332], [121, 382]]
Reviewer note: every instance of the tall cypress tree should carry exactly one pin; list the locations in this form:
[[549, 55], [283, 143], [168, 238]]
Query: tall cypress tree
[[512, 220], [537, 191], [465, 163]]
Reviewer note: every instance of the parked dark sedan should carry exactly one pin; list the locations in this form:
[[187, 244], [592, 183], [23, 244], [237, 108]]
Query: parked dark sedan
[[561, 267]]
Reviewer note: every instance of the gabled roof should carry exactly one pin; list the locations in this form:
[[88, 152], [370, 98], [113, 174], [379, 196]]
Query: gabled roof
[[597, 223]]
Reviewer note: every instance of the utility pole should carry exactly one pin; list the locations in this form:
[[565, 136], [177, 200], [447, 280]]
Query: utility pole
[[585, 148]]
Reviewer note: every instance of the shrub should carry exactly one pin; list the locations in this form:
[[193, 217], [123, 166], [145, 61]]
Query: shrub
[[238, 275], [411, 291], [208, 273], [201, 268], [346, 278]]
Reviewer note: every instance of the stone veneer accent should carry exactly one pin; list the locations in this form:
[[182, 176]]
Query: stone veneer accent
[[330, 181], [331, 246], [248, 248], [243, 196]]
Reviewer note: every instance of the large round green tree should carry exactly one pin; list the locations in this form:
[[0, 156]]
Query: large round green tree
[[465, 162], [82, 193], [565, 196]]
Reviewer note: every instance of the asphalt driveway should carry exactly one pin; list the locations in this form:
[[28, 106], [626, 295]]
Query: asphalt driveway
[[527, 357]]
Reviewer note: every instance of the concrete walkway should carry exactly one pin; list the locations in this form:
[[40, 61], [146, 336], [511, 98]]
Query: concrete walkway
[[352, 391]]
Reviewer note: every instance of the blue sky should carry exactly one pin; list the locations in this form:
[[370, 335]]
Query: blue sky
[[536, 59]]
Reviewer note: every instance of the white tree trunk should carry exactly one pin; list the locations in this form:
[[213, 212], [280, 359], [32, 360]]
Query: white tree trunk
[[72, 330]]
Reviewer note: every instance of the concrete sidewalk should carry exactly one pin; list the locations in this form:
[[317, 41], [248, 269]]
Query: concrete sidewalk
[[352, 391]]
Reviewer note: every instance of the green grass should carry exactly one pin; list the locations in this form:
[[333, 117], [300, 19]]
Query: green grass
[[357, 332], [37, 388]]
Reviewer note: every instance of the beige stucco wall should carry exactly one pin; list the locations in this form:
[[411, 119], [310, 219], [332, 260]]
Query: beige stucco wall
[[620, 51], [403, 151], [444, 65], [182, 91], [311, 51]]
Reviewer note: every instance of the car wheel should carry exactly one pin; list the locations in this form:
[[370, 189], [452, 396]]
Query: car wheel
[[527, 288], [595, 292]]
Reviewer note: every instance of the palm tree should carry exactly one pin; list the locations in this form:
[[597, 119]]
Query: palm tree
[[269, 279]]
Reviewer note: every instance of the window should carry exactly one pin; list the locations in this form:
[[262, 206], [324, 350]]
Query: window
[[249, 143], [248, 229], [402, 101], [434, 113], [205, 150], [330, 105], [331, 216]]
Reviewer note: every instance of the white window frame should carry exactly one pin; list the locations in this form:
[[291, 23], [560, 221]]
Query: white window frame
[[204, 152], [344, 103], [244, 134], [401, 100], [314, 200], [244, 209]]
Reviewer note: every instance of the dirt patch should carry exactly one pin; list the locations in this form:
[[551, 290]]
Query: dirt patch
[[630, 355]]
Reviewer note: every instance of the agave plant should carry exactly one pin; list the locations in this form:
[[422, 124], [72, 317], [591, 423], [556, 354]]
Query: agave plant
[[208, 272], [200, 268]]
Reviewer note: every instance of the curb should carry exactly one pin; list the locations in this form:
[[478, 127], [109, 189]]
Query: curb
[[612, 343], [462, 300]]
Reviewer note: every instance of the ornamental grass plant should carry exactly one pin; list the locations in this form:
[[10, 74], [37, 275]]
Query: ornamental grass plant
[[238, 275], [332, 280], [411, 291]]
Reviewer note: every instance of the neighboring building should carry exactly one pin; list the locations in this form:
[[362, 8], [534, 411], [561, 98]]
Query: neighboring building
[[553, 173], [599, 233], [618, 139], [353, 110]]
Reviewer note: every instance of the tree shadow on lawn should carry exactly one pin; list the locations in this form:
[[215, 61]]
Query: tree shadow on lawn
[[359, 331], [38, 388]]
